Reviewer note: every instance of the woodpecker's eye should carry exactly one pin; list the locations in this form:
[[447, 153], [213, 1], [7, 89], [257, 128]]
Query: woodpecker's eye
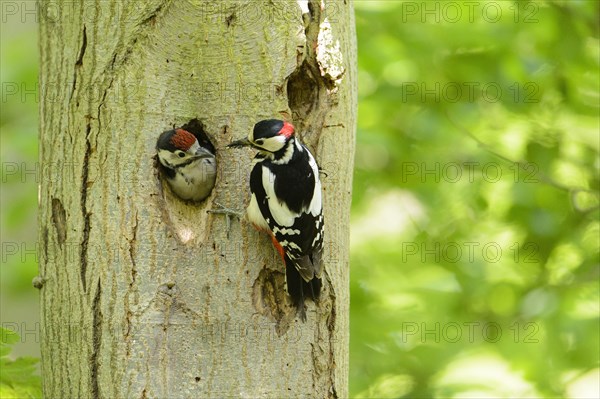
[[181, 154], [259, 141]]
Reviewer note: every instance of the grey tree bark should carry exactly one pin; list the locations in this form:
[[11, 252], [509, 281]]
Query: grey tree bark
[[143, 295]]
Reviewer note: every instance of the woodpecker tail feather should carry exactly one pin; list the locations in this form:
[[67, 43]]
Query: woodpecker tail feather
[[299, 289]]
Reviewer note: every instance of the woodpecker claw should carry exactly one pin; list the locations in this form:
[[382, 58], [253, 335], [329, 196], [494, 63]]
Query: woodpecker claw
[[228, 212], [222, 210]]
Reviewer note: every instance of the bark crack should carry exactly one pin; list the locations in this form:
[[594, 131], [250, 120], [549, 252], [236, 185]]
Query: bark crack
[[79, 61], [82, 50], [45, 243], [103, 100], [132, 283], [84, 211], [59, 220], [96, 342], [132, 244]]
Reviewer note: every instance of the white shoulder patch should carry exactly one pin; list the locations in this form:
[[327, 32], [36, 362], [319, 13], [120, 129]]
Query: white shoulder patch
[[254, 214], [315, 206], [280, 211]]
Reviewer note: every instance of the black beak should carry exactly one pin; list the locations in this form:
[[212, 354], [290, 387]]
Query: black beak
[[202, 152], [240, 143]]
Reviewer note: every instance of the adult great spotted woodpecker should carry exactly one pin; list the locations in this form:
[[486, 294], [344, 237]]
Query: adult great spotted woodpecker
[[188, 166], [286, 203]]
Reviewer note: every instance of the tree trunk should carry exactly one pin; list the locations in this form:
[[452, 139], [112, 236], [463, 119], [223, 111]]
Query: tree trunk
[[143, 295]]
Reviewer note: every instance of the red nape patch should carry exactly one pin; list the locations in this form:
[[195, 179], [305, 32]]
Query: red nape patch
[[278, 247], [183, 139], [287, 130]]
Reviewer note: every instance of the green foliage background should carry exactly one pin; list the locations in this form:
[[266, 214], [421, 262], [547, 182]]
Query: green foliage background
[[475, 232]]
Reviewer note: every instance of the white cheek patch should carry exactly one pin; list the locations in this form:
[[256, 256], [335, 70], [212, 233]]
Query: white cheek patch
[[274, 144], [167, 158]]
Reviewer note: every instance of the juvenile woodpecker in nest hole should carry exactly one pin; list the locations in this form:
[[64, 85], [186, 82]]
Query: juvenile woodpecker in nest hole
[[286, 204], [188, 167]]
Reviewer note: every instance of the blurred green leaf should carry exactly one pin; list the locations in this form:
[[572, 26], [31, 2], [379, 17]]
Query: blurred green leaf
[[18, 378]]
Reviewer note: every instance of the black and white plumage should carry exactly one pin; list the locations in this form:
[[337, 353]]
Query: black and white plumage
[[189, 168], [286, 203]]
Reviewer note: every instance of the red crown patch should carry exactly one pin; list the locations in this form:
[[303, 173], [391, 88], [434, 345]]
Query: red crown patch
[[183, 139]]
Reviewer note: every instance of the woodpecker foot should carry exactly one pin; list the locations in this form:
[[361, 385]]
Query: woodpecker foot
[[228, 212]]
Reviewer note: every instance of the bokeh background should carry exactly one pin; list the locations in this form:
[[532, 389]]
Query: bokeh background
[[475, 222]]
